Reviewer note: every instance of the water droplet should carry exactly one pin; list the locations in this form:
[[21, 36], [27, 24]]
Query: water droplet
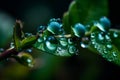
[[115, 35], [12, 45], [114, 54], [79, 30], [41, 29], [28, 34], [29, 50], [92, 35], [54, 27], [100, 37], [105, 22], [109, 46], [1, 49], [107, 37], [70, 41], [40, 40], [63, 42], [51, 43], [72, 49], [83, 45]]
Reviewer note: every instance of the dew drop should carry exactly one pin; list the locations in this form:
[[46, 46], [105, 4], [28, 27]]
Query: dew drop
[[105, 22], [63, 42], [114, 54], [41, 29], [1, 49], [12, 45], [79, 30], [28, 34], [83, 45], [100, 37], [40, 40], [29, 50], [54, 27], [51, 43], [70, 41], [72, 49], [109, 46], [115, 35], [92, 35]]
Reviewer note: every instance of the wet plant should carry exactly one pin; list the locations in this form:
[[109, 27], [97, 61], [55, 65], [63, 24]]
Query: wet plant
[[68, 36]]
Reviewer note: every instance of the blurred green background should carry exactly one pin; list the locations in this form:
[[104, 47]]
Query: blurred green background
[[34, 13]]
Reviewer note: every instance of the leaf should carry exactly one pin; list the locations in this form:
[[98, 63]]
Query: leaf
[[107, 44], [17, 35], [84, 11]]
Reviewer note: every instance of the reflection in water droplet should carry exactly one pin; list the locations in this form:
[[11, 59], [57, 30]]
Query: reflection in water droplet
[[41, 29], [63, 42], [107, 37], [72, 49], [28, 34], [115, 35]]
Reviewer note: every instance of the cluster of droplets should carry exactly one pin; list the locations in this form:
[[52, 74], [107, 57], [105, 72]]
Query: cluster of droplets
[[54, 40], [102, 41]]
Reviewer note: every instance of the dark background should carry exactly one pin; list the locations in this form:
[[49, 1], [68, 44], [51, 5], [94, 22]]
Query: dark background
[[38, 12]]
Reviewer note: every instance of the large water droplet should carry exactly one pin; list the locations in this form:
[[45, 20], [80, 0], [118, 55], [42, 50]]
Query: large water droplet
[[79, 30], [51, 43], [63, 42], [70, 41], [105, 22], [54, 27]]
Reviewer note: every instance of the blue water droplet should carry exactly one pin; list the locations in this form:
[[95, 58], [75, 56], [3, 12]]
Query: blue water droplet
[[70, 41], [105, 22], [54, 27], [79, 30], [83, 45]]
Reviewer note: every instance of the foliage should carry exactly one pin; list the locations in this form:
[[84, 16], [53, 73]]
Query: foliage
[[84, 26]]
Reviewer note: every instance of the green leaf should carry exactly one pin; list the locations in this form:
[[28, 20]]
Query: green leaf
[[28, 41], [107, 44], [18, 35], [85, 12]]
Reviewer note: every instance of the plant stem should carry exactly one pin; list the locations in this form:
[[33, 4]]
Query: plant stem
[[8, 53]]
